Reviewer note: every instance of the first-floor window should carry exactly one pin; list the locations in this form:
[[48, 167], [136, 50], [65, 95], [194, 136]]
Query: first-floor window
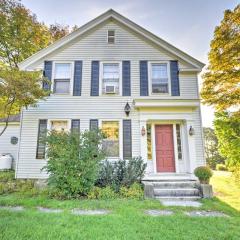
[[179, 141], [159, 78], [59, 125], [62, 76], [110, 144]]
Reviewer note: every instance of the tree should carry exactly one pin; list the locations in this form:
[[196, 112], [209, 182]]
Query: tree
[[227, 128], [58, 31], [221, 82], [21, 35], [213, 156], [19, 89]]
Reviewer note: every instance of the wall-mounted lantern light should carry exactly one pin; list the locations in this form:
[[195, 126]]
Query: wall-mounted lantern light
[[143, 131], [191, 131], [127, 109]]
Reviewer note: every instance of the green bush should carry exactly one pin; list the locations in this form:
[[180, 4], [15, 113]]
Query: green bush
[[102, 193], [135, 191], [203, 173], [73, 161], [121, 173], [221, 167], [6, 176]]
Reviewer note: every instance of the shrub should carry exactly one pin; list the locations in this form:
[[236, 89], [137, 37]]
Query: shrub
[[203, 173], [221, 167], [121, 173], [6, 176], [135, 191], [102, 193], [73, 161]]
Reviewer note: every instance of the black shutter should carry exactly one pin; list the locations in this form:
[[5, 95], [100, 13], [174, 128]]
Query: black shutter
[[127, 139], [95, 78], [126, 78], [77, 84], [143, 78], [175, 88], [48, 74], [75, 126], [41, 145], [93, 124]]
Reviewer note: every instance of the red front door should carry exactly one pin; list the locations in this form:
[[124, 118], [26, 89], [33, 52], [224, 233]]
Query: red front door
[[164, 148]]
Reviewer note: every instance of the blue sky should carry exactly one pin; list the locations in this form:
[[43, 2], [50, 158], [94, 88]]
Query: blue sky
[[187, 24]]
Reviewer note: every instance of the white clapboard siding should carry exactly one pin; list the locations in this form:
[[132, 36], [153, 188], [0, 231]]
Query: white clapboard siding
[[93, 46], [5, 141]]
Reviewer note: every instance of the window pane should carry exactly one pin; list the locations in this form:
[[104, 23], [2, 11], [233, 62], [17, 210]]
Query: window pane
[[61, 86], [179, 143], [62, 70], [59, 126], [159, 70], [111, 142], [111, 71], [160, 88], [149, 142]]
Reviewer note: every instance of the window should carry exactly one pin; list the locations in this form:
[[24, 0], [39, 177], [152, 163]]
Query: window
[[149, 142], [59, 126], [62, 78], [179, 142], [111, 142], [111, 36], [110, 78], [160, 78]]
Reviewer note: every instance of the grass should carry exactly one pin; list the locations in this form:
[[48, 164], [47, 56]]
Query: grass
[[127, 220]]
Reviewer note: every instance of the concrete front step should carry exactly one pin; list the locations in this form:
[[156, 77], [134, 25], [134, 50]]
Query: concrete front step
[[174, 185], [178, 192], [178, 198]]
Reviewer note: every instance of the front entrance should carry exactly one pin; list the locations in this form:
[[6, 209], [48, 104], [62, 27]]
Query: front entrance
[[165, 161]]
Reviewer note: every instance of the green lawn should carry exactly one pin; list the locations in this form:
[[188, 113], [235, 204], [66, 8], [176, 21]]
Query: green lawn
[[127, 220]]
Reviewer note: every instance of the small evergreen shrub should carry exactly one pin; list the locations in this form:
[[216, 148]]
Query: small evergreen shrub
[[73, 162], [221, 167], [203, 173], [121, 173], [135, 191], [102, 193]]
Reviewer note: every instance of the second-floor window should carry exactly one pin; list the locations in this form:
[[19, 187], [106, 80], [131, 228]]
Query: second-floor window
[[62, 77], [160, 79], [110, 81]]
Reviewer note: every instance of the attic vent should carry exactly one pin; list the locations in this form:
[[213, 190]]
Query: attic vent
[[111, 36]]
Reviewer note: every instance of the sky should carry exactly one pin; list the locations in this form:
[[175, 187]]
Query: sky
[[186, 24]]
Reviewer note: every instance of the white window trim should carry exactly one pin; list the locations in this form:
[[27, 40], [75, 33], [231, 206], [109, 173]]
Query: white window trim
[[150, 78], [120, 137], [101, 78], [114, 36], [49, 123], [71, 77]]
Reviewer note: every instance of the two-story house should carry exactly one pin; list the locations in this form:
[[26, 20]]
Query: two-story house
[[115, 75]]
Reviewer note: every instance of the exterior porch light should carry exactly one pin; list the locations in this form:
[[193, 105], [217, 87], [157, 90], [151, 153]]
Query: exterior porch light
[[191, 131], [143, 131], [127, 109]]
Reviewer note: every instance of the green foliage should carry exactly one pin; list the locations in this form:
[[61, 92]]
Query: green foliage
[[73, 161], [213, 156], [203, 173], [21, 34], [102, 193], [121, 173], [221, 81], [227, 128], [135, 191], [221, 167], [6, 176]]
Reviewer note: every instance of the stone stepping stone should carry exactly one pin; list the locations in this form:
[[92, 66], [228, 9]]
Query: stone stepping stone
[[49, 210], [159, 212], [90, 212], [204, 213], [181, 203], [14, 209]]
